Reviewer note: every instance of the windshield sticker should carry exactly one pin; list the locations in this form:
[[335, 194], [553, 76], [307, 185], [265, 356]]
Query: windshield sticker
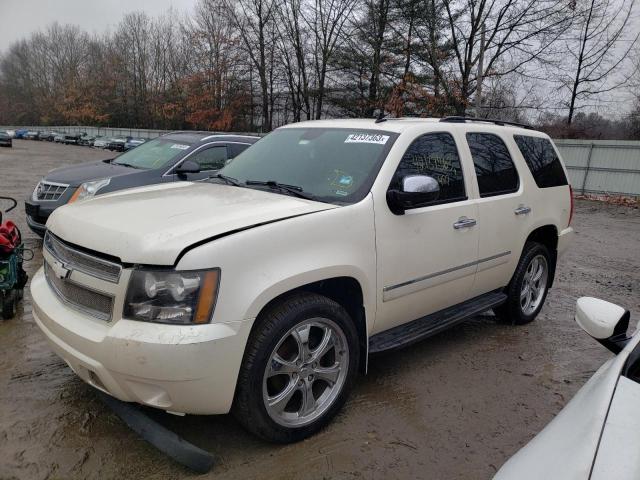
[[180, 146], [341, 180], [367, 138], [342, 193]]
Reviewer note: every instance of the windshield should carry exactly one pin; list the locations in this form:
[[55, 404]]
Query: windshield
[[153, 154], [334, 165]]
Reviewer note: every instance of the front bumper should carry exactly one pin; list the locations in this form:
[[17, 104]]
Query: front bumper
[[38, 213], [185, 369]]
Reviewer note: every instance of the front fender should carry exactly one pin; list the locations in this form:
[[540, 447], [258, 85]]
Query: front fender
[[264, 262]]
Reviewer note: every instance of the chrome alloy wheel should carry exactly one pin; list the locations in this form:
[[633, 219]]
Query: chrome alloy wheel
[[534, 284], [306, 372]]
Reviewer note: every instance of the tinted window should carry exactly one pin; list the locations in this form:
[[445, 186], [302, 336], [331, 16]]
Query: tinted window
[[236, 148], [542, 161], [332, 164], [211, 158], [494, 167], [436, 155]]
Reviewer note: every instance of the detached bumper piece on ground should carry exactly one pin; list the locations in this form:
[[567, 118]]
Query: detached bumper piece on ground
[[165, 440]]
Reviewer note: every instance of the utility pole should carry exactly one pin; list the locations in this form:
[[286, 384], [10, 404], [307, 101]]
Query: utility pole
[[480, 71]]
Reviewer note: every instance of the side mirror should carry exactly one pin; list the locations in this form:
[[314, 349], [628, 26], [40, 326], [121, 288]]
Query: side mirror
[[416, 191], [188, 166], [604, 321]]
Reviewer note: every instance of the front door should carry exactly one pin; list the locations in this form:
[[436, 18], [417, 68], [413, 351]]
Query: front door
[[210, 159], [427, 257]]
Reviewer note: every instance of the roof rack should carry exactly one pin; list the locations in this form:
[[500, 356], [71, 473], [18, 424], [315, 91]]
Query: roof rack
[[459, 119]]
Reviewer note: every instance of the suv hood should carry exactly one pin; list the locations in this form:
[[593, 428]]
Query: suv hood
[[75, 175], [153, 225]]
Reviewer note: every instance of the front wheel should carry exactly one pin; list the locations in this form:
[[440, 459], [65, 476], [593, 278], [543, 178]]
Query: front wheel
[[299, 366], [528, 288]]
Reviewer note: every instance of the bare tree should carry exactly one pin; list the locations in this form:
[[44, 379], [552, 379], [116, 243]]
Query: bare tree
[[598, 51], [254, 20], [327, 21], [517, 33], [294, 46]]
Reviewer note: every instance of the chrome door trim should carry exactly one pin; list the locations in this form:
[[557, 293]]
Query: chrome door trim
[[444, 272], [464, 222], [522, 210]]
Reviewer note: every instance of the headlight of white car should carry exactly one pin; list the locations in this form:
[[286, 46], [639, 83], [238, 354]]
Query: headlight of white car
[[170, 296], [89, 189]]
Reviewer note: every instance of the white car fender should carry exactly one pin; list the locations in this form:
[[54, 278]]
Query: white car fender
[[565, 449]]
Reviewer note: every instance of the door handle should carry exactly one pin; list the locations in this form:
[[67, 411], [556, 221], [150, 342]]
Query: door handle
[[464, 222], [522, 210]]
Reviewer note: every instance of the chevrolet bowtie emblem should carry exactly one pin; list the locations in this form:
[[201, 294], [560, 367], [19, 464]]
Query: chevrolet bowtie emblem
[[60, 270]]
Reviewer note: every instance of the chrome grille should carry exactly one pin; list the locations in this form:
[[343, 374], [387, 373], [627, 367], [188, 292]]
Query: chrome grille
[[93, 303], [83, 262], [50, 190]]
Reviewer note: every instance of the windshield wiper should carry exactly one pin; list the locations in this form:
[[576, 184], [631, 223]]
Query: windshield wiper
[[125, 165], [229, 180], [283, 187]]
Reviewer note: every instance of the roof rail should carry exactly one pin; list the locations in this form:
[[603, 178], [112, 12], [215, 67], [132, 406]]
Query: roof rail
[[459, 119]]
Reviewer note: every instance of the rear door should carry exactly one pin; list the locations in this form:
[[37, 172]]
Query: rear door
[[504, 210]]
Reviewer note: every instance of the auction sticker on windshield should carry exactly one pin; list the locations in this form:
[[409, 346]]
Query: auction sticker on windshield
[[367, 138], [180, 146]]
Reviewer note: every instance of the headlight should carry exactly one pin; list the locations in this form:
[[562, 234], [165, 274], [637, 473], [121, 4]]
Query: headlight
[[34, 195], [169, 296], [88, 189]]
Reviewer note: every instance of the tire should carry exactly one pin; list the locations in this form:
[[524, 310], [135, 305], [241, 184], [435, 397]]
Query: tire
[[278, 333], [516, 310], [9, 305]]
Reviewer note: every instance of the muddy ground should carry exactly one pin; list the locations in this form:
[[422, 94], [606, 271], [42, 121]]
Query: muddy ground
[[453, 407]]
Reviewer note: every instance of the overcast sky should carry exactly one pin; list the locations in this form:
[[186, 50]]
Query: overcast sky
[[18, 18]]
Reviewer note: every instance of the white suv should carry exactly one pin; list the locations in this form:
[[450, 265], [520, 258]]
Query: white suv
[[264, 290]]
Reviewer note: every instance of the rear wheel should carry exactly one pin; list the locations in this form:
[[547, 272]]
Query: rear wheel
[[299, 366], [528, 288]]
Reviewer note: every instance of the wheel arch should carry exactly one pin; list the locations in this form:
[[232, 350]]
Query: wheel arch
[[547, 235], [344, 290]]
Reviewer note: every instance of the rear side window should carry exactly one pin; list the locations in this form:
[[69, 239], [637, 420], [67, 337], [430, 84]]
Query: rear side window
[[436, 155], [542, 160], [236, 148], [494, 167]]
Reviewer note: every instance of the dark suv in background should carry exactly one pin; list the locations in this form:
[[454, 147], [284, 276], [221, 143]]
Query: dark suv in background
[[172, 157]]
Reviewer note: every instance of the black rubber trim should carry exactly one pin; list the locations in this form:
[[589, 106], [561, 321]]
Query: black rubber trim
[[238, 230], [165, 440]]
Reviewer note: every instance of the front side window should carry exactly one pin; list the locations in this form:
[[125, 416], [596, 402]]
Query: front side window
[[153, 154], [542, 160], [435, 155], [494, 167], [212, 158], [335, 165]]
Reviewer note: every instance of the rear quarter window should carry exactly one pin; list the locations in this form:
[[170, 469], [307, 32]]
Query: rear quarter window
[[542, 160]]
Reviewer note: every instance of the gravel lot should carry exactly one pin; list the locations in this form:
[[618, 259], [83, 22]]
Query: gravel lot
[[455, 406]]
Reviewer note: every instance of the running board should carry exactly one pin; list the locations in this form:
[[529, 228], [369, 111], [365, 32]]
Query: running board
[[412, 332]]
